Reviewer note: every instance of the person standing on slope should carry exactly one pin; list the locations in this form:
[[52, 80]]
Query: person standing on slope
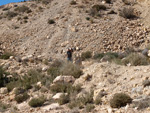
[[69, 54]]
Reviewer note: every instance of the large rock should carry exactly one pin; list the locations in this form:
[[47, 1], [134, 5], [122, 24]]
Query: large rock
[[53, 106], [3, 90], [64, 79], [58, 95]]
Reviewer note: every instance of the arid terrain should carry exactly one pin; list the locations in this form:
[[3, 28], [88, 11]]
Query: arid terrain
[[110, 39]]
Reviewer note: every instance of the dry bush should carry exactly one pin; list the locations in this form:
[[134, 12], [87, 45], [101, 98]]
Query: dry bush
[[50, 21], [4, 107], [120, 100], [21, 97], [63, 99], [23, 9], [135, 59], [37, 102], [82, 101], [89, 107], [73, 2], [10, 14], [86, 55], [95, 10], [127, 12], [65, 88], [69, 68]]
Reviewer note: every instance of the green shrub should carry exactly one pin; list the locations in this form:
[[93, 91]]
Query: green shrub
[[6, 55], [21, 97], [127, 13], [120, 100], [86, 55], [73, 2], [69, 68], [63, 99], [89, 107], [50, 21], [23, 9], [135, 59], [36, 102]]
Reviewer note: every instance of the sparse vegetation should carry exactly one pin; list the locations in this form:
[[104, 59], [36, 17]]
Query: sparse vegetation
[[6, 55], [98, 100], [10, 14], [25, 17], [26, 81], [73, 2], [50, 21], [87, 18], [63, 99], [69, 68], [82, 101], [135, 59], [127, 13], [95, 10], [37, 102], [4, 107], [120, 100], [6, 8], [21, 97], [65, 88], [23, 9], [89, 107], [86, 55]]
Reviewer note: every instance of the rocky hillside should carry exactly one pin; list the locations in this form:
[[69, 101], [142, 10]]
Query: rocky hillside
[[75, 26], [110, 70]]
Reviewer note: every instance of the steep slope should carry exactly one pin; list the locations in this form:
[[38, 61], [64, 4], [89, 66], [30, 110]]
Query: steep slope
[[109, 32]]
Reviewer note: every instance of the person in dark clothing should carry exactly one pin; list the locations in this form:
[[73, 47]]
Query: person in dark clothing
[[69, 54]]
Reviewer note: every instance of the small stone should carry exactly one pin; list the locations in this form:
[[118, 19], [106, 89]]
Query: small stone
[[64, 79], [39, 84], [57, 96], [3, 90], [109, 110]]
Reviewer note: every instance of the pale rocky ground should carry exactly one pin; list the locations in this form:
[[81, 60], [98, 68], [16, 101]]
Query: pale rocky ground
[[38, 39]]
